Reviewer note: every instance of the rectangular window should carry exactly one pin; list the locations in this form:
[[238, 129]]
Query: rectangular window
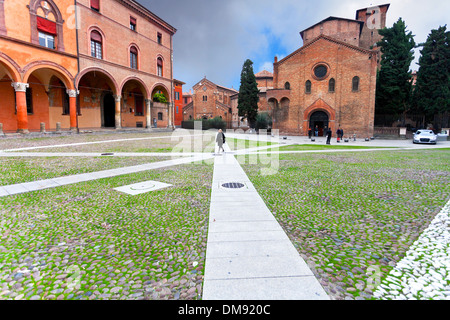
[[133, 23], [160, 116], [177, 95], [96, 49], [177, 109], [46, 40], [159, 37]]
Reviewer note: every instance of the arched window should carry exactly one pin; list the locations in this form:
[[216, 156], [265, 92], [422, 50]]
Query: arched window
[[46, 24], [308, 86], [159, 64], [355, 84], [133, 57], [160, 116], [287, 86], [96, 45], [331, 85]]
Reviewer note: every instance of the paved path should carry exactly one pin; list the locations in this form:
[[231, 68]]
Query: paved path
[[248, 255]]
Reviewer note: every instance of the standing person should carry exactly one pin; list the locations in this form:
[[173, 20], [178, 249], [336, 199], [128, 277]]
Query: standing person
[[220, 139], [316, 131], [328, 136], [342, 134], [309, 133], [338, 134]]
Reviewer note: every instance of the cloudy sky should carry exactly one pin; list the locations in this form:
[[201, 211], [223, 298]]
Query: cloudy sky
[[215, 37]]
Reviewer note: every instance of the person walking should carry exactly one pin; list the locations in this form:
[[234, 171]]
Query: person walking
[[220, 139], [309, 133], [329, 136]]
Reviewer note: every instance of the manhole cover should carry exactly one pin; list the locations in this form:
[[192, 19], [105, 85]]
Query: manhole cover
[[233, 185]]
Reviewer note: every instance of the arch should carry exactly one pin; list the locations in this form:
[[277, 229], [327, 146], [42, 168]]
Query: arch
[[160, 85], [55, 70], [319, 105], [112, 84], [11, 67], [142, 84], [53, 8]]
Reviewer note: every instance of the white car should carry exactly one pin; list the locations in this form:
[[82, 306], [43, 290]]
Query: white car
[[424, 136]]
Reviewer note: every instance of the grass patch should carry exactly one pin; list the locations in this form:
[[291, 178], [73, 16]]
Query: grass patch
[[349, 214], [149, 246]]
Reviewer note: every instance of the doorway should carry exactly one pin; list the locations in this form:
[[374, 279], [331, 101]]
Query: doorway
[[319, 119], [109, 111]]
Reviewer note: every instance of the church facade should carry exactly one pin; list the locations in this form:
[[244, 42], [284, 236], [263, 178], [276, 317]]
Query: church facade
[[330, 81]]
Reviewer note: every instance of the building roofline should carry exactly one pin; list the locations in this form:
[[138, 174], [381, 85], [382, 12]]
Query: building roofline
[[143, 10], [361, 23], [381, 5], [328, 38]]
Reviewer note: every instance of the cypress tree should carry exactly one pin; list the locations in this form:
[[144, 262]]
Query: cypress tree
[[393, 95], [432, 90], [248, 94]]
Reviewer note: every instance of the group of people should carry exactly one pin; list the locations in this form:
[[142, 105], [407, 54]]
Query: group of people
[[328, 133]]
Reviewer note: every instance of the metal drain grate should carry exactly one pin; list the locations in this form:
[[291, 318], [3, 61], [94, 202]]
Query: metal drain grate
[[233, 185]]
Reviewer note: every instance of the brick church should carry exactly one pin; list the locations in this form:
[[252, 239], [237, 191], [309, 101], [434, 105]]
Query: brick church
[[330, 81]]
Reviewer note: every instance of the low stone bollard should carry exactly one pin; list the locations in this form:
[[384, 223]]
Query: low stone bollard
[[42, 127], [58, 127]]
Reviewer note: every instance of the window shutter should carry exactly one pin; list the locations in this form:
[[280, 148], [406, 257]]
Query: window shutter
[[133, 20], [46, 26], [96, 36], [95, 4]]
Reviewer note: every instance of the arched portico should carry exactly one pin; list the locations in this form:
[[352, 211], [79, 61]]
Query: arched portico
[[136, 103], [99, 99]]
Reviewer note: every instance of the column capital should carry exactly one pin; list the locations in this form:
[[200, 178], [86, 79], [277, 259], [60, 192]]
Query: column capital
[[117, 98], [72, 93], [19, 86]]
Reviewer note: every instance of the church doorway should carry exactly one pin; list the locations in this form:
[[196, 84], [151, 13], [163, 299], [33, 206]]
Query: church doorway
[[319, 119], [109, 111]]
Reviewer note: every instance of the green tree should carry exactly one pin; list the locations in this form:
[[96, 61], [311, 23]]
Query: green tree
[[432, 90], [248, 94], [393, 95]]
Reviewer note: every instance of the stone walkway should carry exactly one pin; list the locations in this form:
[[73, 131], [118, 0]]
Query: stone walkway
[[248, 255]]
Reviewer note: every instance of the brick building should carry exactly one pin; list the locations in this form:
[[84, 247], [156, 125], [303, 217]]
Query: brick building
[[99, 70], [178, 102], [330, 81], [209, 100]]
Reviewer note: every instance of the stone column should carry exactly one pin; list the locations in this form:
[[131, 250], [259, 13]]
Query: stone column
[[21, 102], [170, 105], [73, 108], [117, 114], [148, 113]]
